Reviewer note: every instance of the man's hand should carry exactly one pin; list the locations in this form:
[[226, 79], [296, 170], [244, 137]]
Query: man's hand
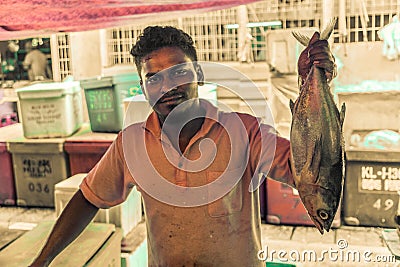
[[319, 54]]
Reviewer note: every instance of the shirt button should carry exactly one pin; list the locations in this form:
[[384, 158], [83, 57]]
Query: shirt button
[[180, 164]]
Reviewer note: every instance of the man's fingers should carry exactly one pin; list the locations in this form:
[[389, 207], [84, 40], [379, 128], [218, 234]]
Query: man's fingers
[[318, 47], [322, 57], [314, 38], [328, 66], [325, 64]]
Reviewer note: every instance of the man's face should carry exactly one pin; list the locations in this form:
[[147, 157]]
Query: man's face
[[169, 78]]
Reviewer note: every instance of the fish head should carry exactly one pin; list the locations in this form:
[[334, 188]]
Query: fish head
[[321, 206]]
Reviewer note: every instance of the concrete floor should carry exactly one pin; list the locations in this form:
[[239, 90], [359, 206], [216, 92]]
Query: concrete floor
[[344, 246]]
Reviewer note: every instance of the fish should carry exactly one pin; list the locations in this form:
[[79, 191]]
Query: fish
[[317, 157]]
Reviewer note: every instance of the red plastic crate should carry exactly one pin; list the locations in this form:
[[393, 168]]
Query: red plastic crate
[[84, 156], [86, 148], [284, 206], [7, 188], [8, 119], [7, 181]]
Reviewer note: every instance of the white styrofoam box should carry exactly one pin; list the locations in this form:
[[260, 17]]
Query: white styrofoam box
[[136, 109], [227, 88], [229, 104], [208, 91], [249, 90], [5, 106], [51, 109], [257, 108], [134, 248], [214, 71], [118, 69], [245, 89], [126, 215], [137, 258], [283, 49]]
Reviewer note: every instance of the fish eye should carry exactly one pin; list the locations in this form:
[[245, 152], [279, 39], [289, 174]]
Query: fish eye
[[323, 214]]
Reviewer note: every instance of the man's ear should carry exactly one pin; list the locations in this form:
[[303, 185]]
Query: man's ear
[[200, 75], [143, 91]]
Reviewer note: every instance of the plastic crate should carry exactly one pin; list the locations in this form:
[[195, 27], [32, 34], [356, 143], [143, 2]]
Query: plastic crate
[[6, 107], [284, 206], [371, 186], [50, 109], [85, 149], [126, 215], [104, 100], [7, 188], [98, 245], [134, 247], [38, 164], [136, 109], [8, 119], [369, 109]]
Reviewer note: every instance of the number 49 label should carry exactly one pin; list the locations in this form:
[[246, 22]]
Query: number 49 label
[[386, 205]]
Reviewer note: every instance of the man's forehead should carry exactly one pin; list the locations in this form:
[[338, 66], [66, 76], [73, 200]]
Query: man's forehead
[[168, 51], [160, 68]]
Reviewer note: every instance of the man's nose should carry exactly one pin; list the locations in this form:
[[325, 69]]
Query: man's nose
[[168, 84]]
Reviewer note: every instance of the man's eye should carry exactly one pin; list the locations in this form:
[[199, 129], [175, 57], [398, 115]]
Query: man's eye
[[180, 72], [153, 79]]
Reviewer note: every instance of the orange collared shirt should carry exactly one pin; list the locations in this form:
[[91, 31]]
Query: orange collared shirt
[[199, 208]]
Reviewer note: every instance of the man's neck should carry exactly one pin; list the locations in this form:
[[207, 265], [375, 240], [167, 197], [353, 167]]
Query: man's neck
[[186, 126]]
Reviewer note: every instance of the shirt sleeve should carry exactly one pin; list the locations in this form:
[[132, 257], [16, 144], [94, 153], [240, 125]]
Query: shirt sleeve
[[270, 154], [109, 182]]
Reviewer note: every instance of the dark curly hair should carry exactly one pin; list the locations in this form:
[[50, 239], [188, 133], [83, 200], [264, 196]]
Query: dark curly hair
[[156, 37]]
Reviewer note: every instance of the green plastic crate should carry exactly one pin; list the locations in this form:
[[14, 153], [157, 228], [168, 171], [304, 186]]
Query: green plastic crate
[[104, 99]]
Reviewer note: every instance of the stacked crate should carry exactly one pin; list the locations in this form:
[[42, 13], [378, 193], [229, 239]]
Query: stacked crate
[[284, 206], [371, 127], [371, 188], [7, 188], [49, 113], [104, 99], [126, 216], [85, 148], [38, 165]]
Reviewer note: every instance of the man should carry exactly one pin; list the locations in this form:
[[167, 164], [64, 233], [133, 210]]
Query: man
[[35, 63], [192, 163]]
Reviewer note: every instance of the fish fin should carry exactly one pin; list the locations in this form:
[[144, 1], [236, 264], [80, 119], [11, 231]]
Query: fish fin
[[316, 159], [291, 105], [304, 40], [328, 29], [342, 114]]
